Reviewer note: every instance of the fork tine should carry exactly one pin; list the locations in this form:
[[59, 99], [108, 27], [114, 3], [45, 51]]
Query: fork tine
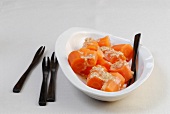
[[56, 61], [43, 63], [52, 57], [48, 63]]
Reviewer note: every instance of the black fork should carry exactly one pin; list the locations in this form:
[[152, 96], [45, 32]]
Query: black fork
[[52, 85], [134, 58], [43, 92], [17, 88]]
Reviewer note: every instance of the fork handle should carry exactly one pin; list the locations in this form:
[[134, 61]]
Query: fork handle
[[52, 87], [43, 93], [17, 88]]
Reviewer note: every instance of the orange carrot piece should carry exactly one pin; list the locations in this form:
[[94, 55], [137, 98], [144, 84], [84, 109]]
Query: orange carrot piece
[[84, 50], [113, 56], [125, 72], [114, 59], [100, 54], [86, 72], [90, 56], [105, 41], [118, 47], [91, 44], [126, 49], [94, 82], [111, 86], [104, 63], [120, 77], [76, 62]]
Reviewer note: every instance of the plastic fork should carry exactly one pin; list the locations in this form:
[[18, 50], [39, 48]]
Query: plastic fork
[[52, 85], [17, 88], [134, 58], [43, 92]]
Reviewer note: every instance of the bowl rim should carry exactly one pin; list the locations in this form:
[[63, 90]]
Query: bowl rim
[[61, 43]]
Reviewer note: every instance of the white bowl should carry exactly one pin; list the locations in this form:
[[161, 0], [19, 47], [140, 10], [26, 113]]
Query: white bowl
[[73, 39]]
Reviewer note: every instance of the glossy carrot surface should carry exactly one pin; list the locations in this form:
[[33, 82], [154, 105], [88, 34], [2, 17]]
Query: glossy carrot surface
[[105, 41]]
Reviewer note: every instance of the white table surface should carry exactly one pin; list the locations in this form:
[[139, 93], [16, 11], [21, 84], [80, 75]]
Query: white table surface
[[25, 25]]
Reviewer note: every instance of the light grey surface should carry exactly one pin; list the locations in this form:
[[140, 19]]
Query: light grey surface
[[26, 25]]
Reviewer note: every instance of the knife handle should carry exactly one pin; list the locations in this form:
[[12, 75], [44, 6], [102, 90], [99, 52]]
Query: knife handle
[[17, 88]]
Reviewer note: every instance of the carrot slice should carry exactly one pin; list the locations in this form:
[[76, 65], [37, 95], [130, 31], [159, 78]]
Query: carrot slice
[[118, 47], [120, 77], [105, 41], [90, 56], [110, 86], [91, 44], [84, 51], [76, 62], [100, 54], [86, 72], [125, 72], [94, 81], [109, 57], [113, 56], [126, 49], [104, 63]]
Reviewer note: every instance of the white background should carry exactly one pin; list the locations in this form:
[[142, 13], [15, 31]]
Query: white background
[[25, 25]]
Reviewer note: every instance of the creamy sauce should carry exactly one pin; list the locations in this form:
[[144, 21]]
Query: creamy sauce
[[118, 64], [100, 72], [88, 41]]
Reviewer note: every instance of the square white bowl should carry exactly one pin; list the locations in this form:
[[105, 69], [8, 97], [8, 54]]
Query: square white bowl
[[73, 38]]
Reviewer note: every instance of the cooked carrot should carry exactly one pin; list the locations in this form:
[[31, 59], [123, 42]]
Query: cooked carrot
[[111, 86], [118, 47], [90, 56], [91, 44], [114, 56], [94, 81], [104, 63], [84, 51], [105, 41], [126, 49], [114, 59], [85, 72], [124, 71], [120, 77], [100, 54], [76, 62]]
